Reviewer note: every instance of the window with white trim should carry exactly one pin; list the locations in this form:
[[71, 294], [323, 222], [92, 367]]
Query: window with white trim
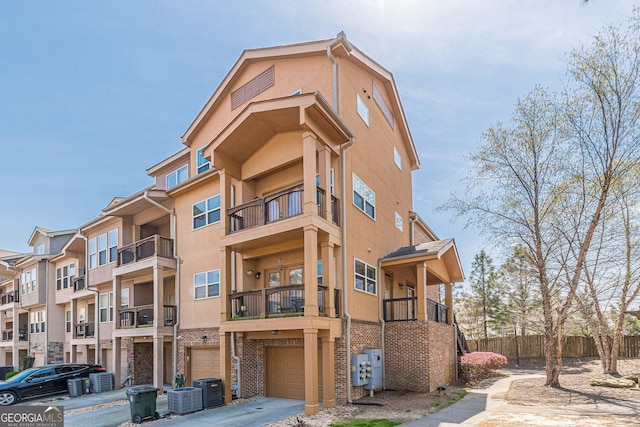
[[363, 197], [206, 284], [206, 212], [124, 298], [399, 222], [113, 245], [65, 276], [177, 176], [365, 277], [37, 322], [40, 249], [202, 163], [102, 249], [363, 110], [106, 307], [93, 253], [28, 281], [397, 158], [67, 317]]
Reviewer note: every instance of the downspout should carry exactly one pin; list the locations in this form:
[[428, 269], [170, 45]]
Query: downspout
[[234, 355], [177, 280], [96, 328]]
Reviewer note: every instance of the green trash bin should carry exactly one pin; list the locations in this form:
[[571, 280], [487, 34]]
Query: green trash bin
[[142, 402]]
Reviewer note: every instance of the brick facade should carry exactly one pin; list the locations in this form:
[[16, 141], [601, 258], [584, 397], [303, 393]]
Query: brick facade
[[142, 367]]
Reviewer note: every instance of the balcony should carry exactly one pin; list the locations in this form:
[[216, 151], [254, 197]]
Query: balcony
[[146, 248], [281, 301], [142, 316], [9, 297], [276, 207], [79, 284], [404, 309], [84, 330]]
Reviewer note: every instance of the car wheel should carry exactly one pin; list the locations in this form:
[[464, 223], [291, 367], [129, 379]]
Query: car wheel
[[8, 398]]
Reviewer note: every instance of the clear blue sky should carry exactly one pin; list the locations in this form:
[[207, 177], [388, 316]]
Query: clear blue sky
[[92, 93]]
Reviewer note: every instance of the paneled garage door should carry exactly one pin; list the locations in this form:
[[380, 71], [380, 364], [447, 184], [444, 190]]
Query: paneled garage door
[[204, 363], [285, 372]]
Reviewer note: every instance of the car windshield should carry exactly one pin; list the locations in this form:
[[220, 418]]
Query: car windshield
[[22, 375]]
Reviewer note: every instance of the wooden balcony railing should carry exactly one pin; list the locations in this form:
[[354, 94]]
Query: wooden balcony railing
[[399, 309], [151, 246], [142, 316], [276, 207], [9, 297], [436, 312], [85, 330], [280, 301]]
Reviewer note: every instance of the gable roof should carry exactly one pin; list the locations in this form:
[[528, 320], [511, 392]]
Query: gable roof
[[338, 46], [47, 233]]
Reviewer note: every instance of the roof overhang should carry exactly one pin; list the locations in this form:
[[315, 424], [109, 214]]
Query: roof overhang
[[135, 203]]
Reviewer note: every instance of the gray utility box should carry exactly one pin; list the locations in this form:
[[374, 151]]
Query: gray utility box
[[360, 370], [101, 381], [184, 400], [375, 357], [75, 387], [211, 391]]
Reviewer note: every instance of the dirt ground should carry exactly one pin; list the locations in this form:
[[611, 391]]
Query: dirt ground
[[575, 376]]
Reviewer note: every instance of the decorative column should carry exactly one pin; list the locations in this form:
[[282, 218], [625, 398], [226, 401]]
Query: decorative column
[[328, 373], [116, 359], [158, 297], [421, 290], [158, 363], [225, 364], [310, 270], [324, 160], [309, 172], [328, 273], [311, 371], [448, 301], [117, 303]]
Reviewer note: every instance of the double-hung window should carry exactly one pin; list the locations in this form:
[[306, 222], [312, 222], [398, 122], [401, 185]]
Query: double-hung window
[[365, 277], [28, 281], [207, 284], [93, 253], [102, 249], [113, 245], [106, 307], [65, 276], [363, 197], [206, 212], [177, 176], [202, 163], [67, 317]]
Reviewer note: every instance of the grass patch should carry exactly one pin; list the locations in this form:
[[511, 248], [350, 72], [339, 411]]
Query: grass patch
[[380, 422]]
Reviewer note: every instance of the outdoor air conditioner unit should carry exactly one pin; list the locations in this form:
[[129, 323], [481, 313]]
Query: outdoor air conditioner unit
[[184, 400], [101, 381]]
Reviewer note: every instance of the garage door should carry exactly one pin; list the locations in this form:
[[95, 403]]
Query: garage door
[[204, 363], [285, 372]]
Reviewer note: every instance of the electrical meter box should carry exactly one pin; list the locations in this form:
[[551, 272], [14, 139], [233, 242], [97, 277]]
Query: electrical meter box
[[360, 370], [374, 356]]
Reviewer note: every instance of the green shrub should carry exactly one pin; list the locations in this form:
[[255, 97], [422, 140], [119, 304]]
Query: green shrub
[[10, 374], [479, 365]]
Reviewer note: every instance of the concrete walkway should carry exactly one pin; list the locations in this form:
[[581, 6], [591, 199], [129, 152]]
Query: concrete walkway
[[482, 403]]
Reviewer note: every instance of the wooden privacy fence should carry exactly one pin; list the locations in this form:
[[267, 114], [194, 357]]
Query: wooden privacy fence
[[533, 346]]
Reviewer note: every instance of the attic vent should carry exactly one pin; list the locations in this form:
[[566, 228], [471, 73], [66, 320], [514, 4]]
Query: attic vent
[[382, 104], [253, 87]]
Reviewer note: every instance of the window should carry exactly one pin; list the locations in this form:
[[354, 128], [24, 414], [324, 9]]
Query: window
[[273, 278], [330, 181], [124, 298], [365, 277], [319, 273], [106, 307], [102, 249], [296, 93], [363, 110], [397, 158], [93, 253], [28, 281], [206, 212], [177, 176], [363, 197], [113, 245], [37, 322], [202, 163], [399, 221], [65, 276], [295, 276], [207, 284], [67, 316], [40, 249]]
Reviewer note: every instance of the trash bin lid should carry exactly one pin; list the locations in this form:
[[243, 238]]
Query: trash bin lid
[[142, 389]]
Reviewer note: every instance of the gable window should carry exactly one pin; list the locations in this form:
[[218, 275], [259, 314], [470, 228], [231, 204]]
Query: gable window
[[40, 249], [176, 177], [365, 277], [363, 110], [65, 276], [106, 307], [202, 163], [397, 158], [399, 222], [93, 253], [206, 212], [363, 197], [113, 245], [207, 284]]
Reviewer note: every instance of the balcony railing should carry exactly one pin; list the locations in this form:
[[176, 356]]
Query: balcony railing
[[436, 312], [280, 301], [79, 284], [399, 309], [9, 297], [142, 316], [276, 207], [85, 330], [151, 246]]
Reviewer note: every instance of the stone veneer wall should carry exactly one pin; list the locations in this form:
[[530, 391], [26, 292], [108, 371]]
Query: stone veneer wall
[[55, 352]]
